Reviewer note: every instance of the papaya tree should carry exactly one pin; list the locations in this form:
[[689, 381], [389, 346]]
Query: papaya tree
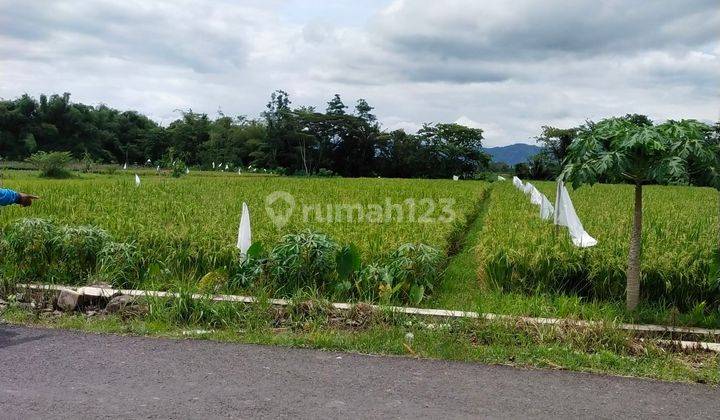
[[636, 151]]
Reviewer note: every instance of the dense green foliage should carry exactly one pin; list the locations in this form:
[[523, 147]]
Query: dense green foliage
[[53, 164], [294, 140]]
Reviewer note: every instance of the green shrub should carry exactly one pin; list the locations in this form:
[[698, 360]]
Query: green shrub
[[303, 260], [374, 280], [414, 268], [178, 169], [51, 165]]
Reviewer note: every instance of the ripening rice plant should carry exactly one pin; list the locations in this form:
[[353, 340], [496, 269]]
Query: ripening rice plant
[[176, 231], [521, 252]]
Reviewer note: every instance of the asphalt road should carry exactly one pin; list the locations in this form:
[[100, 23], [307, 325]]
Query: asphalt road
[[62, 374]]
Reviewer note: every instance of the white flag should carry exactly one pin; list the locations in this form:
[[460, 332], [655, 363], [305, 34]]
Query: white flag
[[125, 165], [137, 180], [158, 168], [501, 178], [187, 170], [455, 177], [244, 237], [565, 215], [213, 165]]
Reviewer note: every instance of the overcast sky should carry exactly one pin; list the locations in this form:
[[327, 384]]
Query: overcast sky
[[508, 67]]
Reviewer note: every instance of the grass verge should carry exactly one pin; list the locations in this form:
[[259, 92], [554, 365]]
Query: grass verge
[[310, 324]]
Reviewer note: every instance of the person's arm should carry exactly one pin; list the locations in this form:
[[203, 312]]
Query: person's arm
[[8, 197]]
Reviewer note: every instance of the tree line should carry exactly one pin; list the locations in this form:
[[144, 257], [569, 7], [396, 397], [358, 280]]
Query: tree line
[[293, 140]]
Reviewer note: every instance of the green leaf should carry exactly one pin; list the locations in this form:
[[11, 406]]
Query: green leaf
[[348, 261], [416, 293], [255, 251]]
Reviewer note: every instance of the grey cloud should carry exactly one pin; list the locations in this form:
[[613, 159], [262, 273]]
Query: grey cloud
[[159, 33], [531, 29]]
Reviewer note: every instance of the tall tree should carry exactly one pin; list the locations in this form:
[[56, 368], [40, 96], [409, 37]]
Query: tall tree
[[362, 110], [336, 106], [628, 148], [556, 141], [454, 149]]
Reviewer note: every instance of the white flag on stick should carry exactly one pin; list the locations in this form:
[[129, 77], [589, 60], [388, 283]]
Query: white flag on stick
[[125, 166], [137, 180], [565, 215], [244, 236], [501, 178]]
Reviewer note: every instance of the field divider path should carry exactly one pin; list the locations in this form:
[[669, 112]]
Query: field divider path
[[460, 286], [107, 292]]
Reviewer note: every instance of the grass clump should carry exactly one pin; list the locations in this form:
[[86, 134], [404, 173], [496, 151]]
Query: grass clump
[[27, 248]]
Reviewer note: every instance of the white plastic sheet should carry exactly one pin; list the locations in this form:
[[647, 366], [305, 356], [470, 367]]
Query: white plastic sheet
[[137, 180], [517, 183], [244, 236], [546, 208], [565, 215], [535, 196], [527, 188]]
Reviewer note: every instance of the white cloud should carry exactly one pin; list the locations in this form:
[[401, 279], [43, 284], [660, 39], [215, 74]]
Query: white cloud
[[507, 67]]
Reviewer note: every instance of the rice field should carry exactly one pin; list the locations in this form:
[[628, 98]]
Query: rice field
[[520, 252], [190, 224], [186, 228], [205, 209]]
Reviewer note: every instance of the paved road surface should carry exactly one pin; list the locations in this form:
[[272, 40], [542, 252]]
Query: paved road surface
[[61, 374]]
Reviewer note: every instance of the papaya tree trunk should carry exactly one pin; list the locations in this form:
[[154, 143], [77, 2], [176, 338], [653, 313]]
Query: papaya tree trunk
[[633, 269]]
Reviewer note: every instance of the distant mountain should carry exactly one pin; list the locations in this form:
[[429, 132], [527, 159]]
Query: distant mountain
[[515, 153]]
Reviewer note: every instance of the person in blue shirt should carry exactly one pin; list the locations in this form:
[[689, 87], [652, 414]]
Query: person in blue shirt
[[8, 197]]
